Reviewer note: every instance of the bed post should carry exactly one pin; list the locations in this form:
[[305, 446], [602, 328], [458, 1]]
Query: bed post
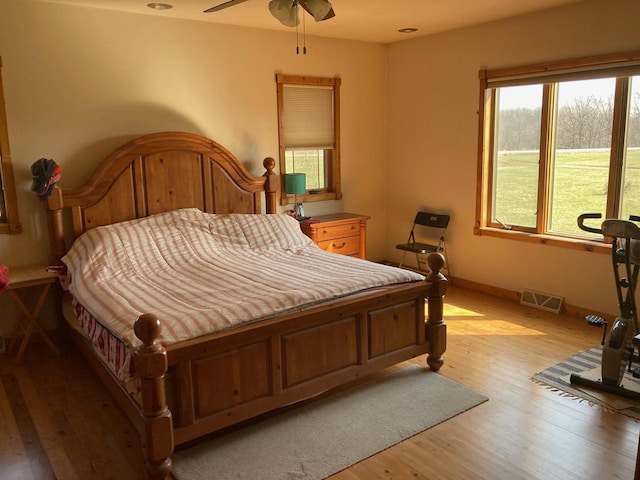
[[270, 184], [55, 223], [151, 365], [436, 329]]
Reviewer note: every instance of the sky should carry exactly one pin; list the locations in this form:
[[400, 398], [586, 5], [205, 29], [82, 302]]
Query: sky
[[530, 96]]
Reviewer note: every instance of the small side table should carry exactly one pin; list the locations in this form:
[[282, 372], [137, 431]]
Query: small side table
[[343, 233], [31, 276]]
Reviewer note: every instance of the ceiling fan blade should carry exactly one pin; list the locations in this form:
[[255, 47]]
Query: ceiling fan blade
[[223, 5], [318, 9], [286, 11]]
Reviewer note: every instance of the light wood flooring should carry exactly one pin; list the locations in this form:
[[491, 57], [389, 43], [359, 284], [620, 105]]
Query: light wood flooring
[[57, 422]]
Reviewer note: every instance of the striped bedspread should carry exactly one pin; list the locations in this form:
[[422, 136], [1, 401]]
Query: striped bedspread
[[202, 272]]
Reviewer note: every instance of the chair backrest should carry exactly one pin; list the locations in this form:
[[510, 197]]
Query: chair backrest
[[437, 222], [434, 220]]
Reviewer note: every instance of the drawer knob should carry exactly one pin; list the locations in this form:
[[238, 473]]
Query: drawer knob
[[337, 247]]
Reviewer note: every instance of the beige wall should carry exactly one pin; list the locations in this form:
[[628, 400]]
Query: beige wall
[[79, 82], [433, 125]]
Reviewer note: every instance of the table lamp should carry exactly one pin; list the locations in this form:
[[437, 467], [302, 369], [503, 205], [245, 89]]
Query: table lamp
[[296, 184]]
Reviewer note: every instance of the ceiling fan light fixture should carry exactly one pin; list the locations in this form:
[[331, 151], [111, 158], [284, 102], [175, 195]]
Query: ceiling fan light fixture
[[318, 9], [286, 11]]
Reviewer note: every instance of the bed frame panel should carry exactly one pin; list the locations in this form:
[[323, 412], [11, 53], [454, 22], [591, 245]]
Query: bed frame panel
[[258, 367]]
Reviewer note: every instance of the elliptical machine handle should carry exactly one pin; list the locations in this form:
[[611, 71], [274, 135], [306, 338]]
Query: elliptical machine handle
[[585, 216]]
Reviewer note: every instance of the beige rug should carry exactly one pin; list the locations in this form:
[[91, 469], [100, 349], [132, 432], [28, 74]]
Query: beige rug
[[325, 436], [587, 364]]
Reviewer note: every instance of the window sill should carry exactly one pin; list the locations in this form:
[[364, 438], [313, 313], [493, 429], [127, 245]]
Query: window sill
[[7, 228], [308, 197], [556, 241]]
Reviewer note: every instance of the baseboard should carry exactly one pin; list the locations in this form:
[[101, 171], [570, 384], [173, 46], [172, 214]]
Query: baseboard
[[488, 289], [513, 296], [567, 309]]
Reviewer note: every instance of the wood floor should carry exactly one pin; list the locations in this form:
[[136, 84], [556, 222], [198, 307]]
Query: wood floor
[[57, 422]]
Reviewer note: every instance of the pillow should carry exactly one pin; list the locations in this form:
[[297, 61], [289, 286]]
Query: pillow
[[272, 231]]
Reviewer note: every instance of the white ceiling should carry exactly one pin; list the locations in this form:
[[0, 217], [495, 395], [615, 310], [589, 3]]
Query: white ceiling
[[367, 20]]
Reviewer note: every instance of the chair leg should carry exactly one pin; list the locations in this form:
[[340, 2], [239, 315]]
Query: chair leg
[[423, 264], [402, 259], [446, 263]]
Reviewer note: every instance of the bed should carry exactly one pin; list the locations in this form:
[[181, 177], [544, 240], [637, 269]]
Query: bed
[[191, 386]]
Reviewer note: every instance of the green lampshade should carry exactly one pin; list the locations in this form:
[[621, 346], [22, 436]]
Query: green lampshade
[[295, 183]]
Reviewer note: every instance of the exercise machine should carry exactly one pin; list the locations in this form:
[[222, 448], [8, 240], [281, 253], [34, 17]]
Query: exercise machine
[[618, 347]]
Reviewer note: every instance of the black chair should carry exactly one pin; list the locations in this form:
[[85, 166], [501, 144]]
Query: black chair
[[431, 228]]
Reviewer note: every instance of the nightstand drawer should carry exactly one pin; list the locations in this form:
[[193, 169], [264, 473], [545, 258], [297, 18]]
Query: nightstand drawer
[[337, 231], [343, 246]]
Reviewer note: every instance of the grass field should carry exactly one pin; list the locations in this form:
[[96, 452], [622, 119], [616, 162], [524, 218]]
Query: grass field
[[579, 186], [309, 162]]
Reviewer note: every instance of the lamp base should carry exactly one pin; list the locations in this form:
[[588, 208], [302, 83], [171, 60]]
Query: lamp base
[[299, 211]]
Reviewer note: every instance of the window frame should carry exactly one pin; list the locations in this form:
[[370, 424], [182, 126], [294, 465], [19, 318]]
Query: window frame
[[333, 190], [625, 65], [11, 223]]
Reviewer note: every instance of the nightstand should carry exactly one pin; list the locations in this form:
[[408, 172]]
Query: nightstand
[[343, 233], [31, 276]]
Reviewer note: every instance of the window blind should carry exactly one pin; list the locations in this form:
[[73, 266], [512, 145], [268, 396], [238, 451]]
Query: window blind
[[308, 117], [616, 65]]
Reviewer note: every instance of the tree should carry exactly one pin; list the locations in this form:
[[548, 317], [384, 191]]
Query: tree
[[586, 123], [519, 129], [633, 124]]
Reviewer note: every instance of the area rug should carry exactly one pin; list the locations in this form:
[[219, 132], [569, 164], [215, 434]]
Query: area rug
[[327, 435], [588, 364]]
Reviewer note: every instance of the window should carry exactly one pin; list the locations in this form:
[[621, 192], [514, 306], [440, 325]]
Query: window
[[558, 140], [308, 129], [9, 221]]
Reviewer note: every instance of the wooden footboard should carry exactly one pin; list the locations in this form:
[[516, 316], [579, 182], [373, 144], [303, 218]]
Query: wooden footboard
[[226, 378]]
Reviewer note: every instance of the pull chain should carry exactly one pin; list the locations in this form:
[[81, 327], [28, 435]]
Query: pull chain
[[297, 31], [304, 31], [304, 34]]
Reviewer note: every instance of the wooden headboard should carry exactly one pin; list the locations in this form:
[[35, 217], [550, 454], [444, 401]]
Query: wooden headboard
[[156, 173]]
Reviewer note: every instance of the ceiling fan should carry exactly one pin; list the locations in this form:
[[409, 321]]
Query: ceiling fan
[[286, 11]]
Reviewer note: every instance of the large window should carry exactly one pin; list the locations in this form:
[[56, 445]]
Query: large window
[[558, 140], [9, 221], [309, 126]]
